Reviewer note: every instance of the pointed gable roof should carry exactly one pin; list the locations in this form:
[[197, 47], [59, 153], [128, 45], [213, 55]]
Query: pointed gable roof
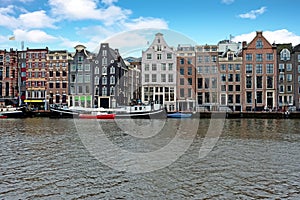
[[259, 37]]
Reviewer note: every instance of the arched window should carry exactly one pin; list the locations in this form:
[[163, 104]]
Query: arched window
[[285, 54], [112, 80]]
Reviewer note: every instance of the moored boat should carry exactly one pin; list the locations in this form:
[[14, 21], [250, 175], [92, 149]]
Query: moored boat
[[179, 115], [151, 111], [106, 116], [12, 112]]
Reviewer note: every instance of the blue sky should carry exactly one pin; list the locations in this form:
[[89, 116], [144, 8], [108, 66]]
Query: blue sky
[[129, 24]]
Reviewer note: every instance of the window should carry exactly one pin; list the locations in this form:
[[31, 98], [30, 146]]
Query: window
[[104, 52], [112, 80], [104, 80], [104, 61], [79, 67], [181, 70], [230, 98], [57, 85], [281, 67], [249, 97], [104, 91], [190, 81], [146, 67], [149, 56], [200, 84], [230, 77], [285, 54], [223, 67], [230, 56], [50, 73], [200, 98], [223, 88], [259, 82], [206, 59], [289, 88], [96, 80], [154, 67], [223, 77], [57, 74], [112, 91], [214, 82], [104, 70], [190, 71], [249, 82], [112, 70], [163, 66], [237, 77], [259, 44], [158, 56], [259, 68], [269, 56], [237, 67], [206, 83], [170, 66], [80, 78], [153, 77], [169, 56], [64, 85], [248, 57], [163, 78], [181, 92], [289, 67], [259, 96], [87, 67], [181, 81], [190, 61], [181, 61], [270, 82], [281, 78], [146, 78], [230, 88], [199, 69], [270, 68], [230, 67], [73, 68], [170, 78], [237, 88], [199, 59], [289, 77], [281, 88], [249, 68], [259, 58]]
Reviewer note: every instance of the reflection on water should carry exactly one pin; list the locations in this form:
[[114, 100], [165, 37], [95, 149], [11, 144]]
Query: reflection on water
[[253, 159]]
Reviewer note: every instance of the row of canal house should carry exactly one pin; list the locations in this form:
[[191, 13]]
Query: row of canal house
[[238, 76]]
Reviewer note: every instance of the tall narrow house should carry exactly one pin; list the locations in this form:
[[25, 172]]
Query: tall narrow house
[[36, 79], [259, 74], [186, 78], [110, 78], [80, 85], [8, 77], [285, 60], [297, 75], [159, 74], [57, 76]]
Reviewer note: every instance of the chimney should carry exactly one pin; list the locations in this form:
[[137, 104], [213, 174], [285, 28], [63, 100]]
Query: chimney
[[244, 44]]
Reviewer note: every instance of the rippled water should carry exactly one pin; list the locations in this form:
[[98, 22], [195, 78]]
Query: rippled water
[[45, 158]]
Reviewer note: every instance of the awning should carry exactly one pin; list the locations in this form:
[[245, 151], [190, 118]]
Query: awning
[[83, 98], [33, 101]]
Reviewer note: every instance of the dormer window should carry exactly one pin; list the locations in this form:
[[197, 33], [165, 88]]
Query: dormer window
[[259, 44], [285, 55]]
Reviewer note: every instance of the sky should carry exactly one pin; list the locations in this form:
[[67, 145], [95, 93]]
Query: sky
[[130, 25]]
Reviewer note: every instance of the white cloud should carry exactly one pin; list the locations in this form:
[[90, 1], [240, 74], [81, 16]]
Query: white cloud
[[87, 9], [28, 20], [35, 36], [277, 36], [227, 1], [37, 19], [109, 2], [148, 22], [253, 14]]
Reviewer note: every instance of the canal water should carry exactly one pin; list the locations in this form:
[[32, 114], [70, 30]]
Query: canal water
[[45, 158]]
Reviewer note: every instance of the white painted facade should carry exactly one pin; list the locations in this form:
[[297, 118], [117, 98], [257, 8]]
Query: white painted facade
[[159, 73]]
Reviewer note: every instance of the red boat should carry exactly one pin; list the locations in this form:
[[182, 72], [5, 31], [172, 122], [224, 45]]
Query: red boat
[[3, 117], [106, 116], [87, 116], [97, 116]]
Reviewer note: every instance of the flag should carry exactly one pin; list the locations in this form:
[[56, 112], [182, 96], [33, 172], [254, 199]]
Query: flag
[[12, 38]]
